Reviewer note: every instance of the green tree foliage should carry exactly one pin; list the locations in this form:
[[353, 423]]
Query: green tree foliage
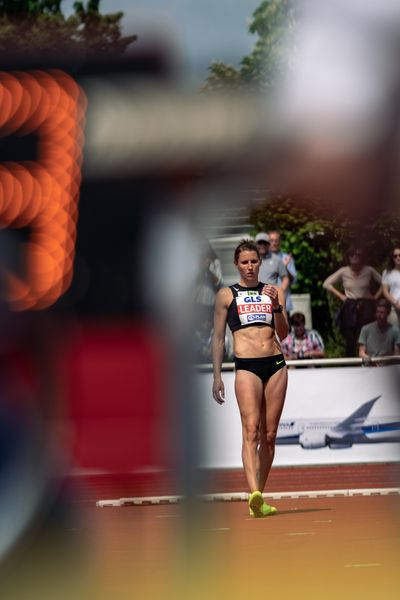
[[318, 242], [39, 27], [272, 22]]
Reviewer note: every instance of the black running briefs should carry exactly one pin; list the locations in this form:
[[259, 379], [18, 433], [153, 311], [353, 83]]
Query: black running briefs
[[263, 367]]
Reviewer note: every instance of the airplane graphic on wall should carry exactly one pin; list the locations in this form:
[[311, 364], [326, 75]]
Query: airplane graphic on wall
[[354, 429]]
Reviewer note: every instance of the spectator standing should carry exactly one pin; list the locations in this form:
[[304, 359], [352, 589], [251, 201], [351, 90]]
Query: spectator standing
[[272, 270], [302, 342], [379, 338], [391, 281], [288, 261], [358, 308]]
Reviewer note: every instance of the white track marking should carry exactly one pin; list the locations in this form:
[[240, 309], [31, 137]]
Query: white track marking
[[230, 497]]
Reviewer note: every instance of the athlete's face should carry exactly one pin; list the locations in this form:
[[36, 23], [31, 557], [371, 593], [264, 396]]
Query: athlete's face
[[248, 264]]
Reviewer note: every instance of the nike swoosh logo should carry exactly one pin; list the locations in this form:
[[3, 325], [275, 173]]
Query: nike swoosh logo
[[279, 362]]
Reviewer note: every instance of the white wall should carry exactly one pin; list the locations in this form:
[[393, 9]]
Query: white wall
[[302, 303], [313, 393]]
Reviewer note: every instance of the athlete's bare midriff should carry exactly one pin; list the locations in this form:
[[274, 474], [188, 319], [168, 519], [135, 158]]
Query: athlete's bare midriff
[[255, 342]]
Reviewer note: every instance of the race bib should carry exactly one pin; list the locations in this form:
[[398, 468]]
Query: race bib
[[254, 308]]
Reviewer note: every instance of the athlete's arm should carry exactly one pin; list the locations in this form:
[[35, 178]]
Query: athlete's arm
[[281, 319], [218, 342], [277, 296]]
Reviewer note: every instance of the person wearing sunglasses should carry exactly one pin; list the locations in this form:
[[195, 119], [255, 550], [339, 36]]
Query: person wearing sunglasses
[[391, 283], [360, 287]]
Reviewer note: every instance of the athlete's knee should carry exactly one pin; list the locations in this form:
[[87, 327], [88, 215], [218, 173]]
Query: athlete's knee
[[251, 432], [270, 437]]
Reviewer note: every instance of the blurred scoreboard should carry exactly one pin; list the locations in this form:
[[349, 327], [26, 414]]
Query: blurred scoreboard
[[42, 127], [40, 193], [112, 142]]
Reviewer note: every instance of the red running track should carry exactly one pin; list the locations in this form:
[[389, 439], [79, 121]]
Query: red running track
[[92, 487]]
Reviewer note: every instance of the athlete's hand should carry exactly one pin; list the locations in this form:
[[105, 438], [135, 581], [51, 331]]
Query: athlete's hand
[[272, 292], [218, 391]]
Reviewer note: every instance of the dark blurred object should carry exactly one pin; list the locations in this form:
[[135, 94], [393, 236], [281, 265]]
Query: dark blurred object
[[37, 29]]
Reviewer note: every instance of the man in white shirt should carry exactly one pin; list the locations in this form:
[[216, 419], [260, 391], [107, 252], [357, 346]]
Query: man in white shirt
[[288, 261], [272, 270]]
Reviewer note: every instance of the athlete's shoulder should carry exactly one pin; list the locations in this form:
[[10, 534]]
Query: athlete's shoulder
[[224, 295]]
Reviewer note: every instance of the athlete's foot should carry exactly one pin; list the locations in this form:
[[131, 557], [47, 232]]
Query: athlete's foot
[[256, 501], [258, 508], [266, 509]]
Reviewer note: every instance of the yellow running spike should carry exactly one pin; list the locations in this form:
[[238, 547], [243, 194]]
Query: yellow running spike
[[258, 508]]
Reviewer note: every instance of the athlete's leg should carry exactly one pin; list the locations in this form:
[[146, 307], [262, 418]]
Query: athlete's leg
[[274, 393], [249, 393]]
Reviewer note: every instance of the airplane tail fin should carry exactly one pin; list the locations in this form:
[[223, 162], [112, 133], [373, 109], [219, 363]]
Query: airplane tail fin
[[358, 417]]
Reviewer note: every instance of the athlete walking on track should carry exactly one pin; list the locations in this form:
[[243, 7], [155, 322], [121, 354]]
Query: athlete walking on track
[[256, 314]]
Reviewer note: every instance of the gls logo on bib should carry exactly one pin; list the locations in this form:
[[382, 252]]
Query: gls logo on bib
[[254, 308]]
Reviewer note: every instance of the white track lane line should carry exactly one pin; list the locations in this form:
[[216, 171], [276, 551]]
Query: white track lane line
[[150, 500]]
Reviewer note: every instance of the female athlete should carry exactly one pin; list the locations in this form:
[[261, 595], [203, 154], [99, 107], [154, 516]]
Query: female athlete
[[256, 315]]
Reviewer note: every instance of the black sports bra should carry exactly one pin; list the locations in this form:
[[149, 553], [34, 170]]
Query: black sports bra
[[249, 308]]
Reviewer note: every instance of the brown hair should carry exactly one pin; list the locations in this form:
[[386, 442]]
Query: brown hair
[[390, 265], [297, 318], [385, 303], [354, 249], [245, 245]]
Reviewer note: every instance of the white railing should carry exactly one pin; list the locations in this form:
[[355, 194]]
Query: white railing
[[321, 362]]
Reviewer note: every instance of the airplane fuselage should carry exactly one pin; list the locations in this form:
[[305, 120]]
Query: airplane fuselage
[[319, 433]]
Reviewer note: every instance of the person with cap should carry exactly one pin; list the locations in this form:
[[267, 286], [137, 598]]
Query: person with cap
[[288, 260], [272, 270]]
